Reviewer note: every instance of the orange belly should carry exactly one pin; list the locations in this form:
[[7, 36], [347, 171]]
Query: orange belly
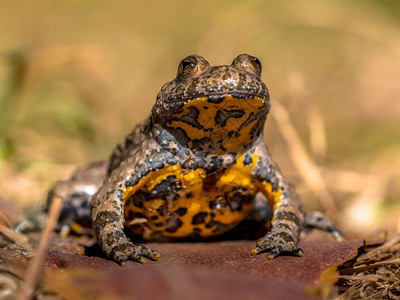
[[177, 203]]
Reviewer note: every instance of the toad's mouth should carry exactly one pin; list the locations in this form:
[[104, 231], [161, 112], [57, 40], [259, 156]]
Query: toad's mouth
[[218, 96], [227, 122]]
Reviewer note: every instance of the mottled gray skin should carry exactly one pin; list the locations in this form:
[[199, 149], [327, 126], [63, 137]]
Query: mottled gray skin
[[154, 145]]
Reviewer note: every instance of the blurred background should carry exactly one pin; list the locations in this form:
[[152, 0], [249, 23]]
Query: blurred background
[[76, 76]]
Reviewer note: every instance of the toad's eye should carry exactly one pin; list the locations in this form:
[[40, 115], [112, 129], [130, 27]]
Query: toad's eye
[[186, 63], [188, 66], [192, 66], [255, 64], [249, 63]]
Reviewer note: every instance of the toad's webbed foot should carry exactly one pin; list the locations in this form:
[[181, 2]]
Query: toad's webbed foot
[[128, 251], [277, 243]]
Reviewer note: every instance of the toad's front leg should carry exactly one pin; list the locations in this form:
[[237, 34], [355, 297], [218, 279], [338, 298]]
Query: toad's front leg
[[107, 208], [288, 214]]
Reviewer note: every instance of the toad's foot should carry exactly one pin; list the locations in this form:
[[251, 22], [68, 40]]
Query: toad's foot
[[277, 243], [128, 251]]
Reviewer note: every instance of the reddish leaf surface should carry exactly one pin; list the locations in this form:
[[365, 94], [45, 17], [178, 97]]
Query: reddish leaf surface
[[231, 257], [219, 270], [150, 282]]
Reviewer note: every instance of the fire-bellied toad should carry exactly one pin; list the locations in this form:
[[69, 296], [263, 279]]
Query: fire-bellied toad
[[196, 168]]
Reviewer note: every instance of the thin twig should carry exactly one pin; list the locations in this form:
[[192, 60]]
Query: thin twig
[[33, 272], [362, 277]]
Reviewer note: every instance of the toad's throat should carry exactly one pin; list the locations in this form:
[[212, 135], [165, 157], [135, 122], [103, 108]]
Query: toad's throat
[[220, 124]]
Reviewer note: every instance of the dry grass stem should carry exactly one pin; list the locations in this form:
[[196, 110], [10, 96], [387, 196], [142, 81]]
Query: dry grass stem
[[364, 278], [385, 248], [16, 238], [34, 270], [4, 220], [316, 124], [309, 171], [317, 133]]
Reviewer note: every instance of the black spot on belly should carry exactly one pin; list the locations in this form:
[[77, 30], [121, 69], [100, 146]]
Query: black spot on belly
[[191, 118], [212, 205], [195, 233], [138, 215], [202, 144], [237, 197], [181, 211], [173, 224], [161, 210], [199, 218], [257, 128], [218, 226], [180, 135], [222, 116], [136, 200], [189, 195], [250, 119], [131, 214], [167, 189], [247, 159]]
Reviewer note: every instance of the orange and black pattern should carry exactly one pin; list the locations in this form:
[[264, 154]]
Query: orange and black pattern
[[197, 168]]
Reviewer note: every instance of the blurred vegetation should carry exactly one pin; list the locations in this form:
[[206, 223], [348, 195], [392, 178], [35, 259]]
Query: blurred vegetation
[[76, 76]]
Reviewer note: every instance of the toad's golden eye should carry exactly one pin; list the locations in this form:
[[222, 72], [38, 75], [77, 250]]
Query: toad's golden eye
[[192, 66], [249, 63], [188, 66]]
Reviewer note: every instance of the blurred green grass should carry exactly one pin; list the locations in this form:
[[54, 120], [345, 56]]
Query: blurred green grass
[[76, 76]]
